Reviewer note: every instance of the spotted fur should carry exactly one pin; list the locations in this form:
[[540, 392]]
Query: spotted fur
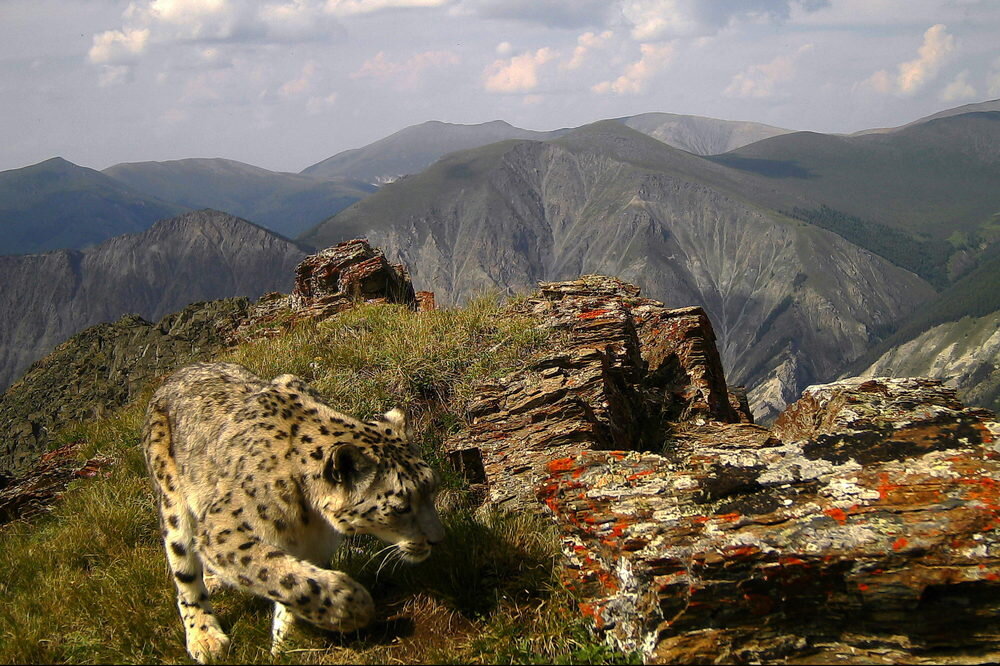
[[258, 483]]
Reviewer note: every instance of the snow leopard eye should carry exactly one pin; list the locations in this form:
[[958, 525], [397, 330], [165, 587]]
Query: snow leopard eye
[[402, 509]]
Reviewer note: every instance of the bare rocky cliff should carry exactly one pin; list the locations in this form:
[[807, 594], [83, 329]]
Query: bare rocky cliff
[[964, 354], [198, 256], [792, 304]]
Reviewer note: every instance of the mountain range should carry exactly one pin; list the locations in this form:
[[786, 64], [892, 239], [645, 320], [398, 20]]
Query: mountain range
[[812, 253], [56, 204]]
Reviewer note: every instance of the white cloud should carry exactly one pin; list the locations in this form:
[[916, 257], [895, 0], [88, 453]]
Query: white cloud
[[913, 75], [113, 75], [317, 105], [761, 80], [633, 80], [302, 83], [349, 7], [117, 46], [993, 80], [665, 19], [504, 48], [518, 74], [959, 89], [409, 71], [585, 43], [167, 21]]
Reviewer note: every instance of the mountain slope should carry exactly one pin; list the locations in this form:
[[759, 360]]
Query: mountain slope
[[790, 303], [287, 203], [198, 256], [700, 135], [56, 204], [990, 105], [414, 148], [935, 178]]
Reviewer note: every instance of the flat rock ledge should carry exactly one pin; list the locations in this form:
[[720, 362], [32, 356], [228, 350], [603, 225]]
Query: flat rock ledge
[[863, 528]]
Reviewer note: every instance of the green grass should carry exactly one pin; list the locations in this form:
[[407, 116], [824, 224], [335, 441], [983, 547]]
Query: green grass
[[88, 582]]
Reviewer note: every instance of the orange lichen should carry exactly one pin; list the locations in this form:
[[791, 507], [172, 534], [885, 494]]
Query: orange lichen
[[633, 477], [560, 465], [592, 314], [837, 514], [884, 487], [899, 543]]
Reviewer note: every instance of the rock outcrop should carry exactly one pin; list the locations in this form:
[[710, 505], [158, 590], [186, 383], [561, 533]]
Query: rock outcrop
[[332, 281], [964, 354], [615, 382], [865, 527]]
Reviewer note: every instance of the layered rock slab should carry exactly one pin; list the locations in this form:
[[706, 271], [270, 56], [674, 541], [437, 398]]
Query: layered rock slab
[[331, 281], [735, 546], [625, 368]]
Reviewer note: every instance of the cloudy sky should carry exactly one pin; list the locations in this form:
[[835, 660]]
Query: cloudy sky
[[285, 83]]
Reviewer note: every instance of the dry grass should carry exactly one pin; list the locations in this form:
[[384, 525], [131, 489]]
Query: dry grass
[[88, 582]]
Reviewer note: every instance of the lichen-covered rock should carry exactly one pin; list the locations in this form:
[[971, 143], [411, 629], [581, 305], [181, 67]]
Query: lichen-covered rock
[[332, 281], [881, 537], [683, 363], [34, 492], [626, 368]]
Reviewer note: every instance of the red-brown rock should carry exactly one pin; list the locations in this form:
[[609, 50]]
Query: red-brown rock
[[878, 540], [329, 282], [626, 369]]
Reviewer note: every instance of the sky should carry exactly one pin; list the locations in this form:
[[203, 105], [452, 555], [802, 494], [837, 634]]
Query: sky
[[283, 84]]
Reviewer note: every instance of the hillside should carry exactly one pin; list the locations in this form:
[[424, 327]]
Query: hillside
[[56, 204], [791, 303], [975, 107], [198, 256], [285, 203], [935, 178]]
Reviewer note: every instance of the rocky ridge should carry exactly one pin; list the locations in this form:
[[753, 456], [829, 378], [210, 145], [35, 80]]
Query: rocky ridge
[[200, 256]]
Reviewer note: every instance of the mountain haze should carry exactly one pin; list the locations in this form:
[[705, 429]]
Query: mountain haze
[[286, 203], [414, 148], [790, 302], [700, 135], [198, 256], [56, 204]]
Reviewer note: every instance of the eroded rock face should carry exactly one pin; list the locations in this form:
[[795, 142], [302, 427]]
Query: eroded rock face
[[871, 533], [332, 281], [615, 383]]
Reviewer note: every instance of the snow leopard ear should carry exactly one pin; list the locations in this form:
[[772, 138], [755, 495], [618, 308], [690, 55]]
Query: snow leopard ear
[[347, 465], [396, 418]]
